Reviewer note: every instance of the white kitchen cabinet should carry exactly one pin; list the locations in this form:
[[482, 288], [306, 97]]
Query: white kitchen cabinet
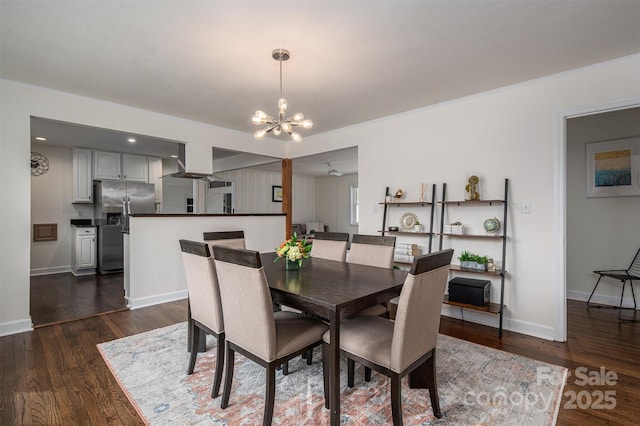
[[117, 166], [82, 183], [84, 250], [106, 165], [135, 168], [155, 172]]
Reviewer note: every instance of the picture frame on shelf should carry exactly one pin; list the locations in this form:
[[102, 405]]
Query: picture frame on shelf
[[276, 194], [613, 168]]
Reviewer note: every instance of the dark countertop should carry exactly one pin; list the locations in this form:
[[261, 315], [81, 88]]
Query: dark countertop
[[206, 215]]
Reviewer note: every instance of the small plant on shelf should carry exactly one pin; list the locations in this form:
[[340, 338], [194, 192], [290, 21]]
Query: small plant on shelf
[[472, 262]]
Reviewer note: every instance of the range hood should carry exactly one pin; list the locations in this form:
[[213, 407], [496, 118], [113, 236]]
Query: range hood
[[182, 170]]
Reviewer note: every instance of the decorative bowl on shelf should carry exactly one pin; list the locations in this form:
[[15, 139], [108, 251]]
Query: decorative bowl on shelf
[[393, 229]]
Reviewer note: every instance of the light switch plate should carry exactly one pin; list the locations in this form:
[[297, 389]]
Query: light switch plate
[[525, 207]]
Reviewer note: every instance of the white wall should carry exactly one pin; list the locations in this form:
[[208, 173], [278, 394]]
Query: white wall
[[602, 233], [252, 193], [51, 195], [510, 132], [333, 206], [156, 271]]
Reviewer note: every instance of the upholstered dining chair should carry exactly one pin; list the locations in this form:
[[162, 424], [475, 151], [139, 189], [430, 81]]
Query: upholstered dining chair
[[398, 348], [372, 250], [205, 308], [233, 239], [252, 328], [330, 245]]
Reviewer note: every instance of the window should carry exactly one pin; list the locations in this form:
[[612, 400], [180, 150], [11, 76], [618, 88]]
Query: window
[[355, 204]]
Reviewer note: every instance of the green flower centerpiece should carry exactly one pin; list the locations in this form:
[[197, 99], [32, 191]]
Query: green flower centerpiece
[[294, 251]]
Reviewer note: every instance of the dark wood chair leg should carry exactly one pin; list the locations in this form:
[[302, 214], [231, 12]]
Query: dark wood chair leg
[[396, 399], [309, 356], [285, 368], [228, 376], [433, 385], [269, 398], [325, 373], [351, 365], [219, 366], [367, 374], [195, 342]]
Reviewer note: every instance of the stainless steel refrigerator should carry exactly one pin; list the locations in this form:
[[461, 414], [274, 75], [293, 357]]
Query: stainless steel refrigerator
[[114, 201]]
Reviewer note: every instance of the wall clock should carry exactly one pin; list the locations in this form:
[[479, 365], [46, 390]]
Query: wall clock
[[39, 164]]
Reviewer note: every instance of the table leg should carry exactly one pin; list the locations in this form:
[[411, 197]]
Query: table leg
[[334, 367]]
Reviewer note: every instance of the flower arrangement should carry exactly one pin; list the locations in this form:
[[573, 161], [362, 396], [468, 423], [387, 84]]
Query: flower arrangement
[[294, 250]]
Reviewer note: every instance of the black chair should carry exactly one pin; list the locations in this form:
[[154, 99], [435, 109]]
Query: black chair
[[624, 275]]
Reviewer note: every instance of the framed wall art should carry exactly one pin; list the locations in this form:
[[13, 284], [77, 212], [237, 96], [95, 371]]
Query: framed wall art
[[613, 168], [276, 194]]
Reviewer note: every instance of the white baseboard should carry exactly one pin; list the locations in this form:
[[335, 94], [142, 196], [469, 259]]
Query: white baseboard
[[493, 320], [49, 271], [605, 300], [156, 299], [15, 327]]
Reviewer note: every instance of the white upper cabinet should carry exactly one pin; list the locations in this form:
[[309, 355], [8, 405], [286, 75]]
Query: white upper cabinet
[[116, 166], [82, 185], [135, 168], [155, 172], [106, 165]]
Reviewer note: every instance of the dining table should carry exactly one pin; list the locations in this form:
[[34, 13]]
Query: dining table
[[331, 290]]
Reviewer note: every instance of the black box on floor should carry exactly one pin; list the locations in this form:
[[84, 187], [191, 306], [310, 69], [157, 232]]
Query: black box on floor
[[471, 291]]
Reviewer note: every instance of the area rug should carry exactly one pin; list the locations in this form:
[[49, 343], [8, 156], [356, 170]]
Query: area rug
[[477, 386]]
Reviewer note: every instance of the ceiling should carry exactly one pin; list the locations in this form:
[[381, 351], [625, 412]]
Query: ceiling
[[210, 60]]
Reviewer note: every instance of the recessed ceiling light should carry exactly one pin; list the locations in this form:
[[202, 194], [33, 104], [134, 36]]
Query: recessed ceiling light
[[40, 138], [174, 156], [131, 140]]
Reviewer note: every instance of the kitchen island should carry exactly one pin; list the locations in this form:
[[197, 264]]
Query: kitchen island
[[153, 270]]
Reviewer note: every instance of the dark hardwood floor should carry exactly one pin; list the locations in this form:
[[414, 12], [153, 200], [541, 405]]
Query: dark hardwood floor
[[55, 375], [64, 297]]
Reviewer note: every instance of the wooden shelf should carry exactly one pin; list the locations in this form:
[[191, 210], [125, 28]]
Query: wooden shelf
[[422, 234], [457, 268], [492, 308], [496, 237], [474, 203], [503, 204]]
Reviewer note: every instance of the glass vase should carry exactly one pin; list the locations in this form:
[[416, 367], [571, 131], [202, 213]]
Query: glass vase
[[290, 265]]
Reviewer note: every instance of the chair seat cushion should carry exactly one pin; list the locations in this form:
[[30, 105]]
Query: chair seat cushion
[[294, 331], [374, 311], [367, 337]]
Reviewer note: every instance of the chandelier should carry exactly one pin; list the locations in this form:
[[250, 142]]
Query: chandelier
[[280, 123]]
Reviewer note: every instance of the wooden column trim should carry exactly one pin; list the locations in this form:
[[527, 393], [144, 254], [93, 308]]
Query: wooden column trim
[[287, 190]]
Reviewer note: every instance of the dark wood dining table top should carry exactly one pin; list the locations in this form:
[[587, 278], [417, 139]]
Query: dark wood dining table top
[[322, 285], [331, 290]]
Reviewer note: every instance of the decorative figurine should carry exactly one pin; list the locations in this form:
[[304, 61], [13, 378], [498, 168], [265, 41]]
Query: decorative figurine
[[472, 188]]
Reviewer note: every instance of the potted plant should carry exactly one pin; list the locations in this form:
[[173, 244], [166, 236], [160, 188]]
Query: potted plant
[[293, 251], [472, 262]]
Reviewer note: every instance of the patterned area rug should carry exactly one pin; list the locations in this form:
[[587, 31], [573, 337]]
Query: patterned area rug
[[477, 385]]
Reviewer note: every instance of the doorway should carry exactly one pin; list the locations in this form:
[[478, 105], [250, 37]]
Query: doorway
[[600, 232]]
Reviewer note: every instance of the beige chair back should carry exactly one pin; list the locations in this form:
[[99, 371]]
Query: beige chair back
[[372, 250], [330, 245], [233, 239], [248, 312], [418, 317], [202, 284]]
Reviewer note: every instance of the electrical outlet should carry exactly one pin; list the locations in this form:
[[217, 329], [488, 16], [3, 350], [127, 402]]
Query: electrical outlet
[[525, 207]]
